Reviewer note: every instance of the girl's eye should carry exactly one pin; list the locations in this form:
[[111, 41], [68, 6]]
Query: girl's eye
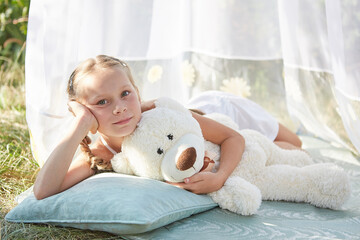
[[125, 93], [101, 102]]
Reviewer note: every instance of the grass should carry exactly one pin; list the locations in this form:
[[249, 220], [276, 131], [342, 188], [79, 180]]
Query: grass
[[18, 168]]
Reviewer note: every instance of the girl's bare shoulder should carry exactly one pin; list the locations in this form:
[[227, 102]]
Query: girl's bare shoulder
[[99, 150]]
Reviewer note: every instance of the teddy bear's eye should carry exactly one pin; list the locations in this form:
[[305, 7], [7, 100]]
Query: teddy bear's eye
[[160, 151], [170, 137]]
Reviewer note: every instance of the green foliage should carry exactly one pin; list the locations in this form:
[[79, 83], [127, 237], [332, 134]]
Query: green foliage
[[13, 29]]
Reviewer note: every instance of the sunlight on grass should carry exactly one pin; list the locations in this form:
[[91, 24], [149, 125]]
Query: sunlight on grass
[[17, 166], [41, 231]]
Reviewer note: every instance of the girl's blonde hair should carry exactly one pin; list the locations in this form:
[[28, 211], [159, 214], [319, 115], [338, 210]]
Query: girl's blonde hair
[[87, 67], [92, 64]]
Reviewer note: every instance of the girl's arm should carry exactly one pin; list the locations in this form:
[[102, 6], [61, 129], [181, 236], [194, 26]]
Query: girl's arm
[[232, 146], [57, 175]]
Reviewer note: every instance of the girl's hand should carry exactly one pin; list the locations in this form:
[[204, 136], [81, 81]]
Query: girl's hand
[[145, 106], [84, 114], [202, 182]]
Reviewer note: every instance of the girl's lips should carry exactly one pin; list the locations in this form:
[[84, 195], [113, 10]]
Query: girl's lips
[[124, 121]]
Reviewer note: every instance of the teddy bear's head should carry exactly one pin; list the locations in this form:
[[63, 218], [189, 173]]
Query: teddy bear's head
[[166, 145]]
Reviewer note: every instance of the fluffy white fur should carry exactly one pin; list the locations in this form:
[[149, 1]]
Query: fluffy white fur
[[265, 172]]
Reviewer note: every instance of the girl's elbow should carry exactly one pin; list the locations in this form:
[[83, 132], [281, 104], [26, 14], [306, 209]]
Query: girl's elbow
[[40, 193], [238, 139], [241, 140]]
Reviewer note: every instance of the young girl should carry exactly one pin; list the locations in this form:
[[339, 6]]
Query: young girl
[[104, 99]]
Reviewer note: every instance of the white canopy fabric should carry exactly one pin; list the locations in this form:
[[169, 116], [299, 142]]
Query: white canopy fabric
[[299, 59]]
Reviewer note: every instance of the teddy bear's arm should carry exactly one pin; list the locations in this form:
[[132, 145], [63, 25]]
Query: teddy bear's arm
[[212, 151], [120, 164]]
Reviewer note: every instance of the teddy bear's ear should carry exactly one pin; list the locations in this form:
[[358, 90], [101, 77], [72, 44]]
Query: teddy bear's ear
[[120, 164], [166, 102]]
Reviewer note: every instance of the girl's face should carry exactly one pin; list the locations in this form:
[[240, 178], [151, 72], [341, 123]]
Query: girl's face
[[112, 99]]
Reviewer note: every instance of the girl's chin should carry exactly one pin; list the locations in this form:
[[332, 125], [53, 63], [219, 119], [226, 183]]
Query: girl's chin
[[123, 132]]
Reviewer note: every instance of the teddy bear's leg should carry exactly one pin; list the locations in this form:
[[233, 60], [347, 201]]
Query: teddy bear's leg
[[292, 157], [323, 185], [281, 182], [330, 186], [239, 196], [275, 154]]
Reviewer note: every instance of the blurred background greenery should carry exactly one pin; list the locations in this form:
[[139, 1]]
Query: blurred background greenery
[[13, 29]]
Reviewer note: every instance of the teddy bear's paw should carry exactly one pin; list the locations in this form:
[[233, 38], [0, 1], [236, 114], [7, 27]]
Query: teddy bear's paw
[[239, 196], [329, 187], [120, 164]]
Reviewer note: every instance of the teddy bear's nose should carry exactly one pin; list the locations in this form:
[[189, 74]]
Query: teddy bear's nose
[[186, 159]]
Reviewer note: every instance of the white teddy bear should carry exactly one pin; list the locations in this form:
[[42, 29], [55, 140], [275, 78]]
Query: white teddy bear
[[168, 145]]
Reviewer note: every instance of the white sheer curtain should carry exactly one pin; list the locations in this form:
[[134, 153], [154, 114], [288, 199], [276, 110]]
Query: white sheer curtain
[[300, 59]]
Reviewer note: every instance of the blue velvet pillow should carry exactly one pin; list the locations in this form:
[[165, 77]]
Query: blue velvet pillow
[[114, 203]]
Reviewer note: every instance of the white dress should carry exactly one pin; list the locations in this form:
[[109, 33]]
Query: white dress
[[246, 113]]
